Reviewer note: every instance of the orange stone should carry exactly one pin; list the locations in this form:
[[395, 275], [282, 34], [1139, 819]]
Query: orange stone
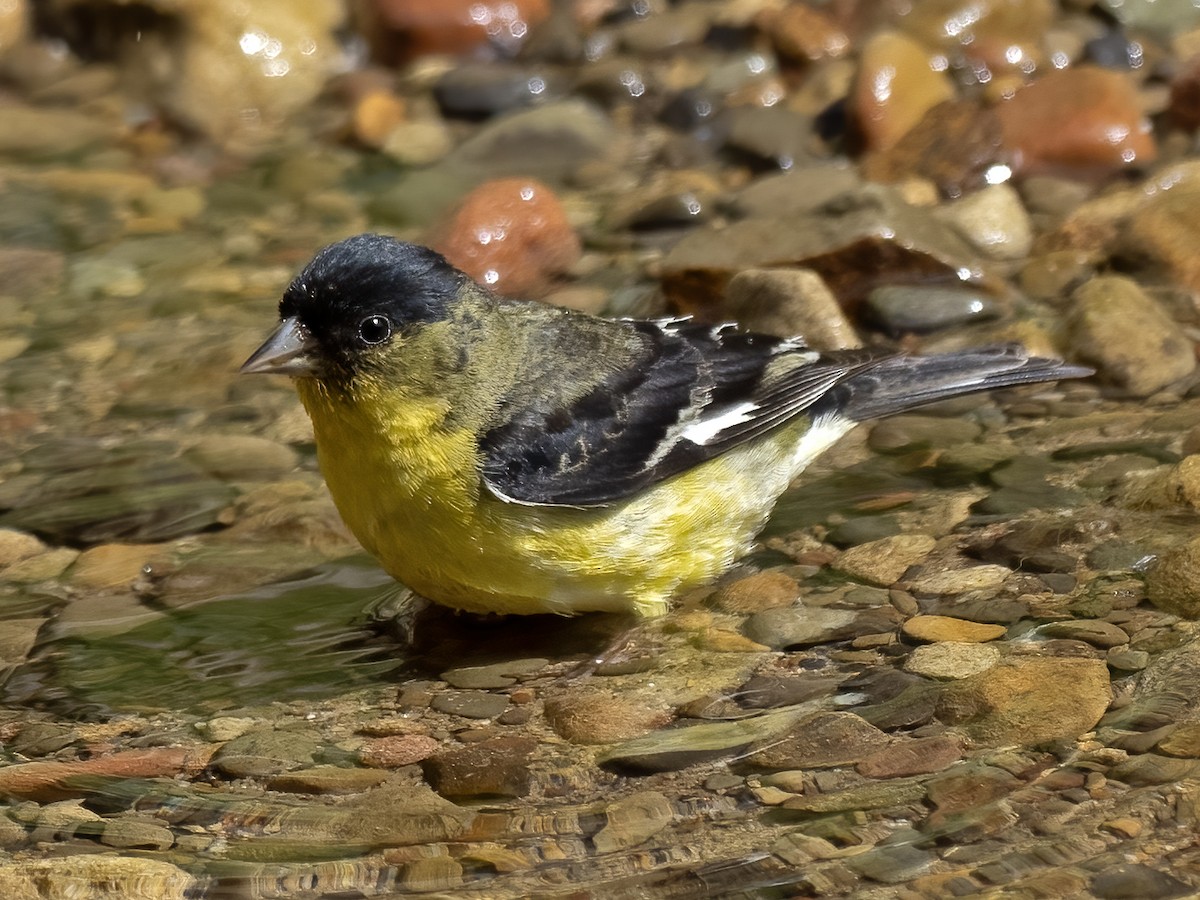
[[894, 87], [457, 26], [1082, 118], [511, 235]]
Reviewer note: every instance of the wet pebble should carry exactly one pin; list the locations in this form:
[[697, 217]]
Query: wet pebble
[[802, 189], [824, 740], [1045, 124], [92, 876], [459, 26], [394, 751], [1128, 881], [498, 675], [17, 545], [884, 562], [245, 457], [484, 89], [470, 704], [327, 780], [915, 756], [509, 234], [757, 592], [1094, 631], [632, 820], [113, 565], [960, 581], [798, 626], [789, 302], [899, 308], [499, 767], [1141, 360], [994, 220], [947, 660], [591, 716], [902, 434], [265, 752], [894, 87], [1173, 584], [1163, 227], [1020, 701], [1127, 660]]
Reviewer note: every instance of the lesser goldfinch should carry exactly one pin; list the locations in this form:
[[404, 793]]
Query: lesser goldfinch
[[507, 456]]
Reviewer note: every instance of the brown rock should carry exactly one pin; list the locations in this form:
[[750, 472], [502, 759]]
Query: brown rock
[[919, 756], [1045, 124], [1165, 228], [511, 235], [1143, 359], [754, 593], [1028, 701], [952, 145], [1173, 585], [1184, 105], [934, 629], [397, 750], [820, 741], [457, 26], [804, 33], [112, 565], [591, 716], [47, 780], [494, 768], [789, 302], [1184, 741], [884, 561], [894, 87]]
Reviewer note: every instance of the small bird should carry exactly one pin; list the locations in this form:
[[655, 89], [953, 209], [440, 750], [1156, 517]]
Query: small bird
[[507, 456]]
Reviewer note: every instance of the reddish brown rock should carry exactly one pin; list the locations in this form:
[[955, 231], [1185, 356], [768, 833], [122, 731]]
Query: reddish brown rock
[[47, 780], [803, 33], [494, 768], [510, 234], [397, 750], [457, 26], [1184, 104], [919, 756], [1083, 118]]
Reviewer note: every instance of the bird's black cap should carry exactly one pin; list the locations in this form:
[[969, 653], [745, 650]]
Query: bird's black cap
[[366, 276]]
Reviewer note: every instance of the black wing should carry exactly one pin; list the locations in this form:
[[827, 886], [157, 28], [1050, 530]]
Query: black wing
[[693, 393]]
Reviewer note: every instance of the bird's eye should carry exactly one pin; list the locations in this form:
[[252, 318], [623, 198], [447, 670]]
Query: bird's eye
[[374, 330]]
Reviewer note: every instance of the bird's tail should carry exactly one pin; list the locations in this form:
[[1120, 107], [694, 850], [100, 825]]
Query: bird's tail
[[900, 383]]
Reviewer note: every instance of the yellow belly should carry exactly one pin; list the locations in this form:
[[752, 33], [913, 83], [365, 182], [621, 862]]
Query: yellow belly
[[410, 492]]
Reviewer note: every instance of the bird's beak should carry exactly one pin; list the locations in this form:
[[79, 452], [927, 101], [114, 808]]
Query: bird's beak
[[288, 351]]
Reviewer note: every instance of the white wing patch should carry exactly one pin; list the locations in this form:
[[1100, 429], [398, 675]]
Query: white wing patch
[[706, 428]]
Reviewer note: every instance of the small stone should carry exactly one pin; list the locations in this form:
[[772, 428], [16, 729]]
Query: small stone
[[419, 143], [1124, 660], [113, 565], [873, 795], [471, 704], [632, 820], [1173, 585], [1094, 631], [327, 780], [226, 728], [1184, 741], [916, 756], [1045, 124], [754, 593], [242, 457], [375, 115], [601, 717], [804, 33], [902, 434], [498, 767], [950, 660], [84, 876], [821, 741], [1022, 700], [1132, 881], [510, 234], [394, 751], [961, 581], [994, 220], [1142, 360], [787, 303], [499, 675], [931, 629], [41, 567], [885, 561], [17, 545], [894, 87], [132, 834], [901, 308], [798, 626], [265, 752]]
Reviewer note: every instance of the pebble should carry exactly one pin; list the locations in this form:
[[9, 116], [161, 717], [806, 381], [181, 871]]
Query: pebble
[[884, 562], [92, 876], [994, 220], [1163, 227], [394, 751], [1173, 584], [949, 660], [1184, 741], [488, 88], [960, 581], [913, 431], [1141, 361], [798, 626], [825, 740], [41, 567], [16, 546], [498, 675], [458, 26], [1045, 124], [113, 565], [601, 717], [470, 704], [757, 592], [899, 308], [789, 302], [1128, 881], [633, 820], [1095, 632], [914, 756], [499, 767], [511, 235], [895, 86], [265, 752], [327, 780], [1020, 701]]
